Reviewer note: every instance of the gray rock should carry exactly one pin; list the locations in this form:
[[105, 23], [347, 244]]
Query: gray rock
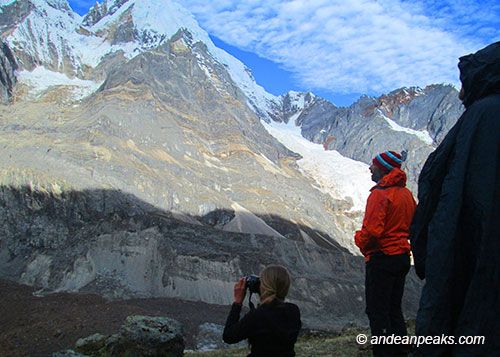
[[139, 336], [210, 338], [68, 353], [153, 336], [8, 68], [96, 13], [92, 344], [14, 13]]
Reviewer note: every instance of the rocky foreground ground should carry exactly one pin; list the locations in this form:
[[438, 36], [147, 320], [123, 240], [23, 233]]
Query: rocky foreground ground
[[37, 324], [32, 325]]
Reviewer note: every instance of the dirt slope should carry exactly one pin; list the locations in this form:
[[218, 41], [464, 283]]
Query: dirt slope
[[38, 326]]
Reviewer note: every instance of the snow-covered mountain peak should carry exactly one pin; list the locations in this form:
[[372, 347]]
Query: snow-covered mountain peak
[[53, 36], [47, 8], [148, 23], [56, 4], [45, 33], [288, 107], [162, 17], [300, 99], [98, 11]]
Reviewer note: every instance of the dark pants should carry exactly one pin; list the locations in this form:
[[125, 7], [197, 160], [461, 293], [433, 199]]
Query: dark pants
[[385, 282]]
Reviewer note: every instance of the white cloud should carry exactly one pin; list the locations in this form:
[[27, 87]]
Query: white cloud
[[356, 46]]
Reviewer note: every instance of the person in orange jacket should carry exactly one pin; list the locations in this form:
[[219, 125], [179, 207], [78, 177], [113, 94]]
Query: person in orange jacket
[[383, 240]]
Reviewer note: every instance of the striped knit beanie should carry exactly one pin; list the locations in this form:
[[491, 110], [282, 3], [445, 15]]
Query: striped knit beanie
[[388, 160]]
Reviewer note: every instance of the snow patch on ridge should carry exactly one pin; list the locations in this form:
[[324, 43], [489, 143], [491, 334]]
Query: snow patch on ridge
[[421, 134], [41, 79]]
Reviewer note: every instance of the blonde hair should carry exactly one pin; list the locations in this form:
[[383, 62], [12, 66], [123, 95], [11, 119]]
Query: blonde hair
[[274, 284]]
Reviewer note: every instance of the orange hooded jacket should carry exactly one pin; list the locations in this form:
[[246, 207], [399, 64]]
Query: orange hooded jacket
[[388, 214]]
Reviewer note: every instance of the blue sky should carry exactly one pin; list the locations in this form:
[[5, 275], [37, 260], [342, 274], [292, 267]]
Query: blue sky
[[341, 49]]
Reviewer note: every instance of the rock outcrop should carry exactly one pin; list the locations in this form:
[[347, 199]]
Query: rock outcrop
[[8, 79], [99, 10], [210, 338], [138, 336]]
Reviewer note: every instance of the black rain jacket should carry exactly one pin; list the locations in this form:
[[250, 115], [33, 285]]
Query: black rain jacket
[[455, 232], [271, 329]]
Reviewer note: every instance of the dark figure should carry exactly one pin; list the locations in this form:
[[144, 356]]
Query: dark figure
[[455, 233], [272, 328], [383, 240]]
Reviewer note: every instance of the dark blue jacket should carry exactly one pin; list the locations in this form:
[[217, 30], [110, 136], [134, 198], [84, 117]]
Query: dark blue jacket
[[455, 233], [271, 329]]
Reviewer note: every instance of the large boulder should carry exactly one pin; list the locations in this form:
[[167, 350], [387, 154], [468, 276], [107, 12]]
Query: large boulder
[[138, 336]]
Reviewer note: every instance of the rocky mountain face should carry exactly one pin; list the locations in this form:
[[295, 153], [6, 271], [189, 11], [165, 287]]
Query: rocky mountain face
[[410, 120], [163, 181], [8, 68], [38, 42], [289, 106], [109, 242], [98, 11]]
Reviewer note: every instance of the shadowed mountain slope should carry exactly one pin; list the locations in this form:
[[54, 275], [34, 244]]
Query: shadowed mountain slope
[[115, 245]]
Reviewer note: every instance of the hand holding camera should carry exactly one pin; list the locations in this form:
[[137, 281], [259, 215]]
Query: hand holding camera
[[252, 283], [240, 291]]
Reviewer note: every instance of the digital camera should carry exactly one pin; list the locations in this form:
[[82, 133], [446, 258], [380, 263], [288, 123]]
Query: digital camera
[[253, 283]]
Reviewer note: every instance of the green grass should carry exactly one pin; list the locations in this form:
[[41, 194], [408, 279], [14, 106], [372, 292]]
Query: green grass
[[308, 345], [315, 344]]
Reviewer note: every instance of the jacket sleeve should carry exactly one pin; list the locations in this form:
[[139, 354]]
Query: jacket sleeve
[[373, 224], [237, 330]]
